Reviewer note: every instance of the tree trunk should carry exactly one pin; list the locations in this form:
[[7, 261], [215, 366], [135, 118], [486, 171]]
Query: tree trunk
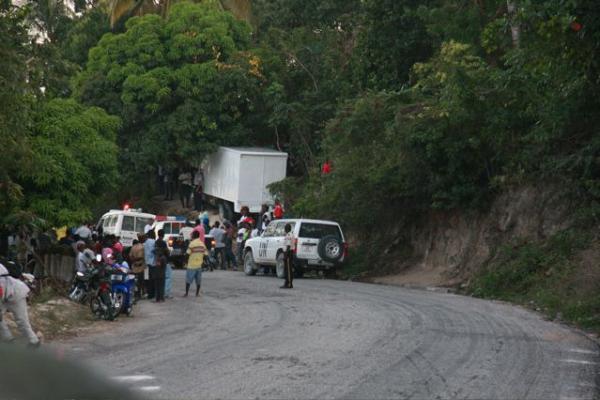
[[515, 28]]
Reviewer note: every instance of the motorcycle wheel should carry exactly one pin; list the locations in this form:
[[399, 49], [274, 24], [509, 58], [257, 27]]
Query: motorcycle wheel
[[96, 306], [108, 311], [129, 310], [119, 303], [75, 294]]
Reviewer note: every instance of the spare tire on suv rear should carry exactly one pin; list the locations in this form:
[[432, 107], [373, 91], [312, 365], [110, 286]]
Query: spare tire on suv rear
[[330, 248]]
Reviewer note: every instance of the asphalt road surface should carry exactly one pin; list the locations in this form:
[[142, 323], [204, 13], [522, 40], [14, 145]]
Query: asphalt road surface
[[245, 338]]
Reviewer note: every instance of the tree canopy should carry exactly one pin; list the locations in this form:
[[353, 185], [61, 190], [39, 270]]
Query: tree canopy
[[420, 104], [181, 84]]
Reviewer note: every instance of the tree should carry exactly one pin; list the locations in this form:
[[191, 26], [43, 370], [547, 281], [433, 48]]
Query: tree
[[122, 9], [74, 155], [183, 85], [392, 38], [306, 48], [14, 105], [85, 34]]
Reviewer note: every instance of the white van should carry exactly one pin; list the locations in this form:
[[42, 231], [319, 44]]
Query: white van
[[126, 224]]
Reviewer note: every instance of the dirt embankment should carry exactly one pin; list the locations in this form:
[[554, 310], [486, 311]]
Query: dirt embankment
[[446, 248]]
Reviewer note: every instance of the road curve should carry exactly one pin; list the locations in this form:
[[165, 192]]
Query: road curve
[[245, 339]]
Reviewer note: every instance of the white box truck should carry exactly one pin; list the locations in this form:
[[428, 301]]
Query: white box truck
[[239, 176]]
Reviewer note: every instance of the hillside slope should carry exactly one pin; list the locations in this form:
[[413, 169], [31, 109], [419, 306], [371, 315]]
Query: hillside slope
[[529, 247]]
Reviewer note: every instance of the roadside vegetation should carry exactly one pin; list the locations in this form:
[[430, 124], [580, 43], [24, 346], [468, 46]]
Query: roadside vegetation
[[551, 276], [421, 107]]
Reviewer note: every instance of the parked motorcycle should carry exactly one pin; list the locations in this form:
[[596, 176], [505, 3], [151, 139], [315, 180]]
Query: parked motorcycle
[[122, 289], [178, 252], [102, 302], [80, 287]]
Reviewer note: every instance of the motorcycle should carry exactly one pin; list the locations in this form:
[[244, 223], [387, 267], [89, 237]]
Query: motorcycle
[[210, 260], [122, 289], [80, 287], [102, 302]]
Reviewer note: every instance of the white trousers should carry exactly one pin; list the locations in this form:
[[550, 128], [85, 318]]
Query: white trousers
[[18, 308]]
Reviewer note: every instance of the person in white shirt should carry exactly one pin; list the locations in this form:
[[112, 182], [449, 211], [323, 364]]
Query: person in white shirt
[[147, 228], [84, 232], [288, 243], [242, 235], [218, 234], [13, 298], [85, 259], [186, 232]]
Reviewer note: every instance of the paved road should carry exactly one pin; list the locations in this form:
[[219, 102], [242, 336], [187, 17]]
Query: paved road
[[245, 338]]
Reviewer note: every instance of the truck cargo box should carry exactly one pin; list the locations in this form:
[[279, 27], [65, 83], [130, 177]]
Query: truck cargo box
[[240, 175]]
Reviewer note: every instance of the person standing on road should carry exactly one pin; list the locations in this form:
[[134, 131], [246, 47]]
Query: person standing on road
[[200, 229], [198, 194], [242, 235], [264, 218], [13, 298], [185, 188], [150, 260], [198, 190], [168, 280], [244, 213], [219, 235], [168, 184], [161, 253], [138, 265], [195, 252], [289, 262], [228, 250]]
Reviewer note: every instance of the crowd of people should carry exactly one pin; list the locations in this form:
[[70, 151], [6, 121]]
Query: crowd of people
[[148, 258]]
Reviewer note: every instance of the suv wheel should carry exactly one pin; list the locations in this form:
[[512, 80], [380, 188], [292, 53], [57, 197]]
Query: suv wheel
[[249, 265], [280, 265], [330, 249]]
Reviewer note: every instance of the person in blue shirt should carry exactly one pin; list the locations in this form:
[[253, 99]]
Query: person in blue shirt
[[150, 257]]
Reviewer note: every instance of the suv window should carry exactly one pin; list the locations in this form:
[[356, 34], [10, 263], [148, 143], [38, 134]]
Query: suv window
[[140, 223], [128, 223], [280, 228], [318, 231], [112, 221], [166, 228], [270, 231]]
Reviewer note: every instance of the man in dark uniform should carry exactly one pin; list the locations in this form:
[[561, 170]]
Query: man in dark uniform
[[161, 253], [289, 264]]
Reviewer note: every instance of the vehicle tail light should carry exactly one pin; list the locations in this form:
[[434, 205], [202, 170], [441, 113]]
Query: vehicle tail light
[[170, 242], [213, 243], [104, 287], [345, 250], [295, 245]]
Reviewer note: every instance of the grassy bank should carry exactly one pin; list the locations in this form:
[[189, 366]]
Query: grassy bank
[[559, 276]]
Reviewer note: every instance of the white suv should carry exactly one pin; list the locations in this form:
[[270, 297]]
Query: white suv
[[318, 245]]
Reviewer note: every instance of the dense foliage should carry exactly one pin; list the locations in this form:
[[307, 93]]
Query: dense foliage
[[419, 105], [59, 157], [450, 130], [181, 84]]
